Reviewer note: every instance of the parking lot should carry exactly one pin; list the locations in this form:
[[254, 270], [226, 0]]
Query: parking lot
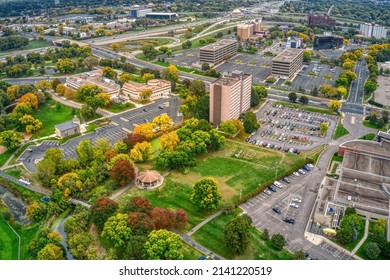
[[291, 129]]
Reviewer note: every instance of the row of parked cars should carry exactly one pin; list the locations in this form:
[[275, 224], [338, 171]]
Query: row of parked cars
[[273, 146]]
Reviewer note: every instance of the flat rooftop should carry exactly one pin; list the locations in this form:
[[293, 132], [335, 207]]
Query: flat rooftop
[[94, 77], [230, 79], [218, 45], [152, 85], [287, 55], [381, 149]]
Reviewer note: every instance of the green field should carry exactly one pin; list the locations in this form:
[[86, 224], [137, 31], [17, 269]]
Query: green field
[[211, 236], [5, 156], [117, 108], [51, 114], [133, 45], [8, 242], [374, 126], [244, 173], [340, 131], [34, 44], [369, 136]]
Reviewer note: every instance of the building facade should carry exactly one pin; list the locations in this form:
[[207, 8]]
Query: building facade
[[161, 15], [321, 20], [287, 63], [159, 88], [294, 43], [139, 13], [323, 42], [218, 52], [372, 30], [68, 128], [248, 29], [230, 96]]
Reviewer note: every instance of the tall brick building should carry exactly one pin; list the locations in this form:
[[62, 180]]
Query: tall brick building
[[321, 20]]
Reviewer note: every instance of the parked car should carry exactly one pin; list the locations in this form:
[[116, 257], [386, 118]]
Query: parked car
[[310, 165], [286, 180], [267, 192], [247, 139], [296, 199], [301, 171], [277, 210], [306, 168], [272, 188], [278, 184], [289, 220], [296, 174], [292, 204]]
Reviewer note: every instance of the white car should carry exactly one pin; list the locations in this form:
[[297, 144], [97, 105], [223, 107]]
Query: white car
[[310, 165], [294, 205], [301, 171], [267, 192], [296, 174], [296, 199], [278, 184]]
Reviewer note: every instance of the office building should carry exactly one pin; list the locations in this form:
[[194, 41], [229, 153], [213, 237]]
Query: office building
[[218, 52], [372, 30], [139, 13], [230, 96], [287, 63], [323, 42], [161, 15], [159, 88], [320, 20], [93, 78], [294, 43], [248, 29]]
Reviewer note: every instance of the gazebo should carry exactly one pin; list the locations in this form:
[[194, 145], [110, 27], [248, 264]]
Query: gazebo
[[149, 179]]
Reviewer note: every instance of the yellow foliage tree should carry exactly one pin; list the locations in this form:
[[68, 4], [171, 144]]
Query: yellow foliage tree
[[169, 141], [12, 91], [31, 99], [164, 122], [141, 152], [145, 130], [61, 89], [147, 76], [334, 105]]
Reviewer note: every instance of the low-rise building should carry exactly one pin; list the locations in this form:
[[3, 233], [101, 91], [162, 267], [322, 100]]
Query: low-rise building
[[287, 63], [93, 78], [159, 88], [139, 13], [217, 52], [161, 15], [68, 128], [294, 43], [327, 41]]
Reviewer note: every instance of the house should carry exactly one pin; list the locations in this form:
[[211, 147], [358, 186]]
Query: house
[[68, 128]]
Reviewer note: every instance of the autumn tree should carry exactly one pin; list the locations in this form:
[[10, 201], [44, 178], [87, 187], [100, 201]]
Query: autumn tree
[[162, 218], [138, 204], [125, 77], [51, 252], [180, 218], [170, 73], [29, 124], [164, 122], [145, 130], [236, 234], [103, 99], [10, 139], [141, 152], [86, 91], [117, 230], [61, 89], [109, 73], [147, 77], [66, 65], [31, 99], [145, 94], [70, 184], [101, 210], [169, 141], [122, 172], [206, 194], [43, 85], [35, 212], [334, 105], [132, 139], [163, 245], [140, 223], [324, 128]]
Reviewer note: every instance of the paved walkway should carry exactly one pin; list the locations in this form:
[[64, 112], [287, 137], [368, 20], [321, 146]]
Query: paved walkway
[[209, 218], [363, 239]]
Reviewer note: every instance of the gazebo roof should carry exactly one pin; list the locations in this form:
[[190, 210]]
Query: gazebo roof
[[149, 176]]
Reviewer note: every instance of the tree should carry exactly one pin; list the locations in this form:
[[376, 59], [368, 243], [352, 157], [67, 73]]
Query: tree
[[372, 250], [149, 51], [51, 252], [120, 147], [278, 241], [163, 218], [140, 223], [141, 152], [122, 172], [30, 99], [109, 73], [170, 73], [261, 91], [205, 66], [164, 122], [29, 124], [145, 130], [90, 62], [303, 99], [43, 85], [292, 96], [163, 245], [79, 244], [125, 77], [101, 210], [341, 91], [10, 139], [70, 184], [147, 77], [299, 255], [250, 122], [206, 194], [169, 141], [180, 218], [35, 212], [66, 65], [255, 100], [117, 230], [369, 86], [114, 47], [334, 105], [85, 152], [307, 56], [324, 128], [328, 91], [163, 49], [265, 234], [373, 119], [132, 139], [138, 204], [146, 93], [102, 99], [314, 91], [61, 89], [236, 234], [87, 91], [228, 127]]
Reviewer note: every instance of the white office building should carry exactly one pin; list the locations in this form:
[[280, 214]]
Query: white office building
[[372, 30]]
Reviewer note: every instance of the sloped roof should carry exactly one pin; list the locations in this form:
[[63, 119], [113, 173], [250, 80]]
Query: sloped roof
[[149, 176]]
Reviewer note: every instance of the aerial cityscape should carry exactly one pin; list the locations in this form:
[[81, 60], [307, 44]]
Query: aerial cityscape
[[194, 130]]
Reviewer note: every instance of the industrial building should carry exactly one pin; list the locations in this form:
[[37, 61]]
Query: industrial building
[[139, 13], [159, 88], [320, 20], [287, 63], [323, 42], [372, 30], [230, 96], [218, 52]]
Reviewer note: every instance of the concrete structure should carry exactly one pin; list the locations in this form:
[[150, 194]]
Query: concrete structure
[[93, 78], [294, 43], [383, 136], [372, 30], [162, 15], [287, 63], [159, 88], [248, 29], [149, 179], [218, 52], [321, 20], [323, 42], [68, 128], [230, 96], [139, 13]]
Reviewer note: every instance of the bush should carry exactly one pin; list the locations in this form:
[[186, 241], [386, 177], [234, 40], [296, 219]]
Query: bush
[[373, 102]]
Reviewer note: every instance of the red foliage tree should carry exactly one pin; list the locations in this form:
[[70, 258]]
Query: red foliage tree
[[101, 210], [139, 204], [163, 218], [140, 223], [122, 172], [180, 218], [131, 139], [110, 154]]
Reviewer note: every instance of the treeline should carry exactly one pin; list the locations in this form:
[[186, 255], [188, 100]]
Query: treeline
[[12, 42]]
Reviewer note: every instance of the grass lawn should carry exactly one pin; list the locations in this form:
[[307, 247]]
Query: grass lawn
[[50, 114], [34, 44], [307, 108], [211, 236], [117, 108], [352, 245], [252, 168], [5, 156], [189, 252], [27, 234], [156, 144], [340, 131], [369, 136], [8, 242], [374, 126]]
